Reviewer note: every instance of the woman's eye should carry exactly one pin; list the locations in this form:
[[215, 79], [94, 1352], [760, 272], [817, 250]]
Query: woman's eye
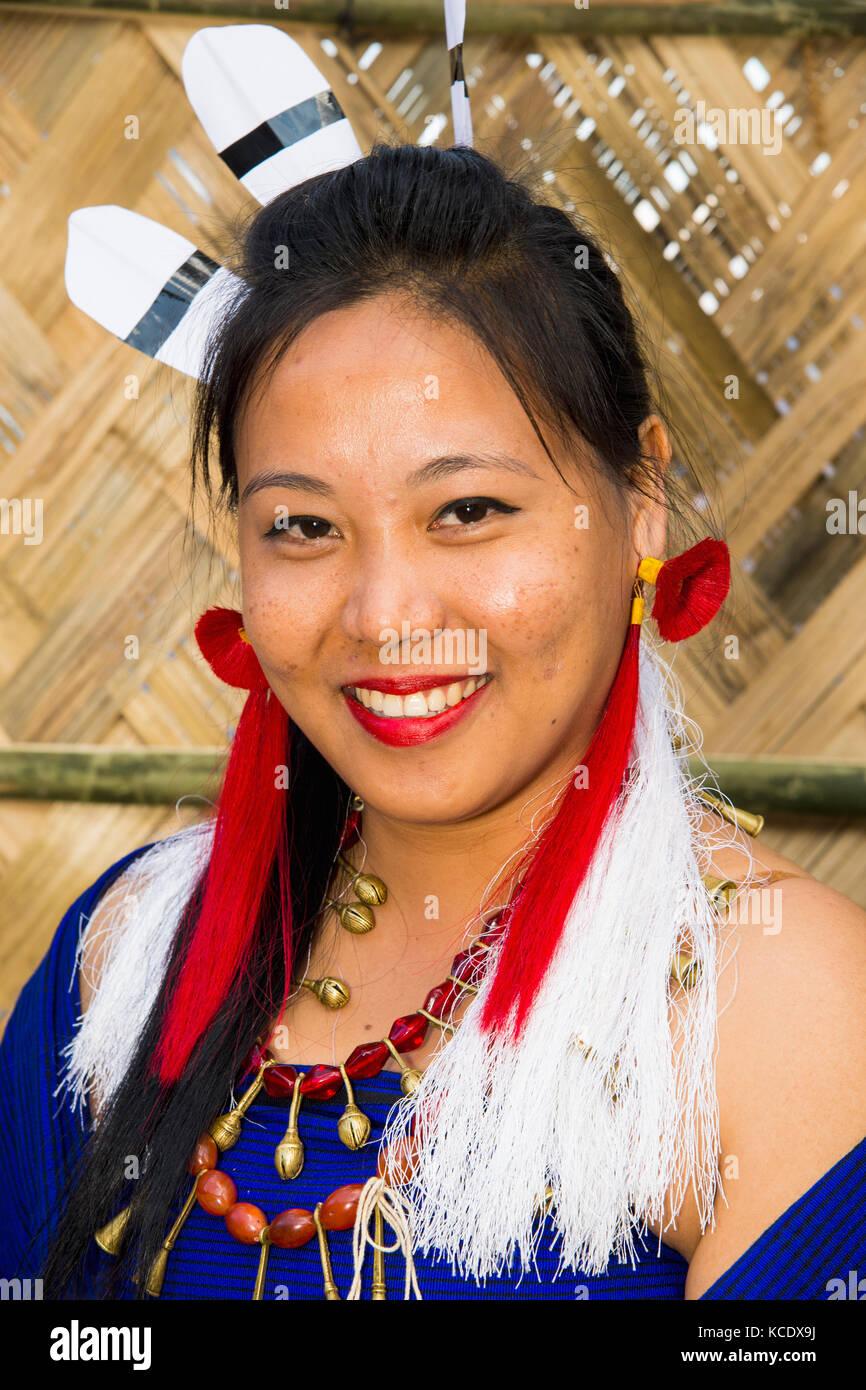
[[312, 528], [471, 510]]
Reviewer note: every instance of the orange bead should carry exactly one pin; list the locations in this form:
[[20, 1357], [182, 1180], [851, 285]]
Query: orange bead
[[216, 1192], [339, 1210], [404, 1165], [245, 1222], [292, 1228], [205, 1155]]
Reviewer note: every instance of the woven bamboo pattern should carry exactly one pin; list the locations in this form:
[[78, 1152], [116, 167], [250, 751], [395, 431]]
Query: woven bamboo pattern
[[746, 267]]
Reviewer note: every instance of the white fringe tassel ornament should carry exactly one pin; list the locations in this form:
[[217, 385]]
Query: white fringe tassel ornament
[[609, 1097], [137, 929]]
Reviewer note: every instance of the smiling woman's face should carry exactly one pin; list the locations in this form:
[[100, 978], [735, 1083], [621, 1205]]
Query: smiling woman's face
[[427, 501]]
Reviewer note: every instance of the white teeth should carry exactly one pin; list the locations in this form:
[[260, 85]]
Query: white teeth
[[420, 704], [415, 706]]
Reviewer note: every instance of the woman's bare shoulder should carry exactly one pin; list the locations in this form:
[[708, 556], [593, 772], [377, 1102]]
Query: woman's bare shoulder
[[735, 855], [791, 1038]]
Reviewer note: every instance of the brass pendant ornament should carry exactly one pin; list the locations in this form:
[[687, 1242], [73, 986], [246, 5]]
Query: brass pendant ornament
[[289, 1153], [353, 1126], [358, 917], [334, 994]]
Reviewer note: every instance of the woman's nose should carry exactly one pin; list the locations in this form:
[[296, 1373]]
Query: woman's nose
[[387, 592]]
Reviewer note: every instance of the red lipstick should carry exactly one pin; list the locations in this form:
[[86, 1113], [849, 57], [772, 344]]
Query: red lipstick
[[405, 733], [404, 685]]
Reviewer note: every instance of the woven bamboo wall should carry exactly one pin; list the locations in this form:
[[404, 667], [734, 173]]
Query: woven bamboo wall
[[742, 264]]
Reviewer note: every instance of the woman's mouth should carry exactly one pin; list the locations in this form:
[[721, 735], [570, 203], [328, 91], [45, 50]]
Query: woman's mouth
[[413, 716]]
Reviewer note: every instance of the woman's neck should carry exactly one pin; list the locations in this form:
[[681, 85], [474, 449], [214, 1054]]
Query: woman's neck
[[447, 873]]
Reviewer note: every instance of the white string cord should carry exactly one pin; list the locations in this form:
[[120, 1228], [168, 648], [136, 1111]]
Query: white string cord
[[398, 1214]]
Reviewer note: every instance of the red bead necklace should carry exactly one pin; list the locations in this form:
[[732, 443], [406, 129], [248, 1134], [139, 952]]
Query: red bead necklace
[[215, 1191]]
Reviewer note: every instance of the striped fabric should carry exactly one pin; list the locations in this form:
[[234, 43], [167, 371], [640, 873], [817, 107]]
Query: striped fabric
[[820, 1238], [816, 1247]]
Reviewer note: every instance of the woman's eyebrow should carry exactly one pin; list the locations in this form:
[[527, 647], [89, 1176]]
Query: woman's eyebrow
[[433, 471], [449, 464]]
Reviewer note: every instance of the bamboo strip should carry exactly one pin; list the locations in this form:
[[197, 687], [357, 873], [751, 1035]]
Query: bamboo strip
[[154, 776], [839, 18]]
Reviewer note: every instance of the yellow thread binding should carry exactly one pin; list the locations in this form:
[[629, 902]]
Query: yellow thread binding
[[648, 569]]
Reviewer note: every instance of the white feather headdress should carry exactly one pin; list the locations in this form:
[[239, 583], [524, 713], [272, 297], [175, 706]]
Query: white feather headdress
[[273, 119]]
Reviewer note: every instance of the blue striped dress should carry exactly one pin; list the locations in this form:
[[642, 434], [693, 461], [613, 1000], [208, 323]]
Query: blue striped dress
[[813, 1251]]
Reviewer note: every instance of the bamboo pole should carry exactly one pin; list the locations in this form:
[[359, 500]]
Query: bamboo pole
[[159, 776], [142, 776], [721, 19]]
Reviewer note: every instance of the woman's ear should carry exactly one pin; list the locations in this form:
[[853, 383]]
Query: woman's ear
[[649, 528]]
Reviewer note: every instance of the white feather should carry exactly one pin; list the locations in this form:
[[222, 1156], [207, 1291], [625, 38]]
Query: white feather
[[238, 76], [461, 115]]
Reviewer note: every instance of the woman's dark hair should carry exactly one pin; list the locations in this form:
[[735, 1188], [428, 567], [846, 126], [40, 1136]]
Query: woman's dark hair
[[467, 244]]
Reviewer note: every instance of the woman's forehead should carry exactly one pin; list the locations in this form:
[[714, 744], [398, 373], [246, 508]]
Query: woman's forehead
[[384, 376]]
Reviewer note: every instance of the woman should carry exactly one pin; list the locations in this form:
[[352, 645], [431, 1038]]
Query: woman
[[431, 417]]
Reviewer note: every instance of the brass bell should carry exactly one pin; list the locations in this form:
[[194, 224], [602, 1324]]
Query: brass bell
[[264, 1247], [156, 1277], [330, 992], [409, 1081], [353, 1126], [409, 1077], [356, 917], [110, 1236], [226, 1130], [378, 1288], [332, 1293], [289, 1154], [542, 1205], [685, 969], [720, 890], [370, 889], [749, 821]]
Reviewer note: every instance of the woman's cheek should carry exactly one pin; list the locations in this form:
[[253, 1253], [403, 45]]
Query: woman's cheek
[[280, 631], [522, 615]]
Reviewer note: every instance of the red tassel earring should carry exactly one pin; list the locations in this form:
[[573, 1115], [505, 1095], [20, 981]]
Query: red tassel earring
[[690, 589], [249, 834]]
